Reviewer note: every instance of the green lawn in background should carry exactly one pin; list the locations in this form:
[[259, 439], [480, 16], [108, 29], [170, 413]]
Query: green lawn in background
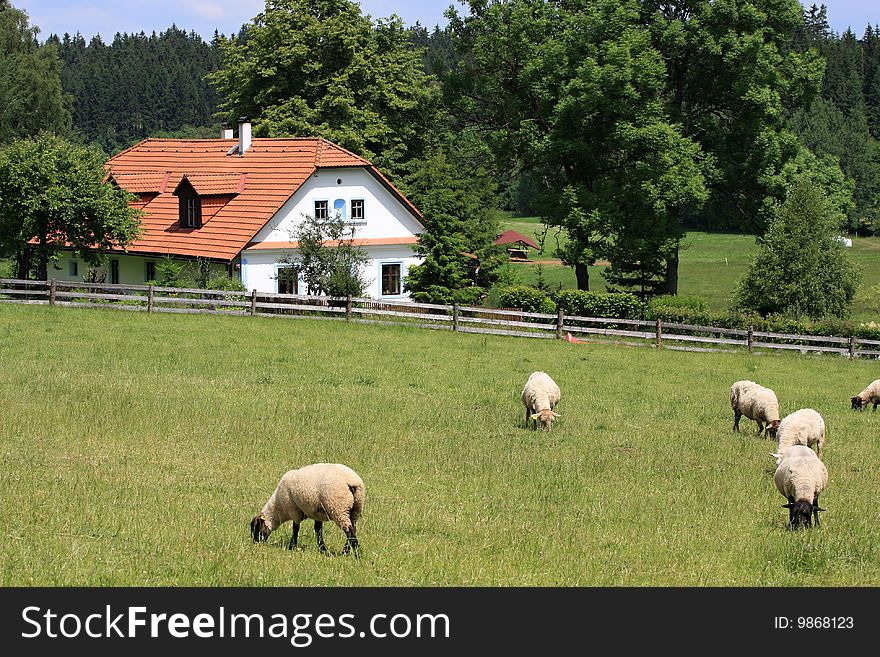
[[710, 265]]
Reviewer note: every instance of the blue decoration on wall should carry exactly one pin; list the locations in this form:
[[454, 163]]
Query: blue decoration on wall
[[339, 208]]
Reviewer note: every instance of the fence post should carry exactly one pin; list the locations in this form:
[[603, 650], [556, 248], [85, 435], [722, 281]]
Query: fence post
[[253, 302], [659, 334], [455, 317], [348, 308], [52, 292], [150, 298], [852, 347], [559, 323], [750, 337]]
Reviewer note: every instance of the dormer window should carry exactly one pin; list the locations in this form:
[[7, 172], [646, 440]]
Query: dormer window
[[190, 211]]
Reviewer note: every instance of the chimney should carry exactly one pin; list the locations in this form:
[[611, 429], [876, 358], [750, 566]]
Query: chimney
[[244, 135], [226, 131]]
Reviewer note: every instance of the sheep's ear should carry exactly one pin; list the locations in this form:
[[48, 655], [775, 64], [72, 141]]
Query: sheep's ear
[[555, 414], [535, 416], [788, 506], [776, 456], [818, 508]]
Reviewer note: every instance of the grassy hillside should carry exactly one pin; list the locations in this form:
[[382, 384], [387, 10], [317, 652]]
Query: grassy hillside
[[710, 264], [136, 448]]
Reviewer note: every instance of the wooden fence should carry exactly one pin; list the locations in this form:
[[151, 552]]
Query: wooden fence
[[465, 319]]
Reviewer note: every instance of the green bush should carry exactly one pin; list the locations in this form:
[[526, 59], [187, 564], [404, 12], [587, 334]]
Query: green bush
[[618, 305], [525, 297], [469, 296], [224, 282], [679, 301]]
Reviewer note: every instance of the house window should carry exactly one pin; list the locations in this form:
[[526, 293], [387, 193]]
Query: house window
[[190, 212], [357, 209], [150, 273], [74, 268], [321, 210], [391, 279], [287, 281], [114, 271]]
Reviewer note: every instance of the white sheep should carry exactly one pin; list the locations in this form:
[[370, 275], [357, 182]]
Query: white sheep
[[757, 403], [540, 395], [803, 427], [870, 395], [800, 477], [321, 491]]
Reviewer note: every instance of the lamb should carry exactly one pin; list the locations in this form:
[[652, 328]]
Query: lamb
[[800, 477], [757, 403], [321, 491], [540, 395], [869, 395], [803, 427]]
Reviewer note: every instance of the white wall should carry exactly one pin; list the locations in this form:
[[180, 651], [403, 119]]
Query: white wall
[[384, 215], [260, 268]]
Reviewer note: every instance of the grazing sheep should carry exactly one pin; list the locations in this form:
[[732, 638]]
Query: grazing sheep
[[321, 491], [757, 403], [869, 395], [540, 395], [800, 477], [803, 427]]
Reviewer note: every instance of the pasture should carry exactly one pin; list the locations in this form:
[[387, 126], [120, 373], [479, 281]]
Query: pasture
[[710, 265], [136, 448]]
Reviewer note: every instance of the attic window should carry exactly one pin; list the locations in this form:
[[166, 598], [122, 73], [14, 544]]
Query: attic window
[[190, 211]]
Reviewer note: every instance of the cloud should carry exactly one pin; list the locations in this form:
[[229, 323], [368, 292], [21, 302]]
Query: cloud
[[210, 10]]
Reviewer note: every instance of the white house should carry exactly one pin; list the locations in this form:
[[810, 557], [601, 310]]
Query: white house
[[233, 203]]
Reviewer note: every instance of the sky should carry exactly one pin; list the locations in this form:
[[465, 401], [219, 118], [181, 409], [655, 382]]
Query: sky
[[106, 17]]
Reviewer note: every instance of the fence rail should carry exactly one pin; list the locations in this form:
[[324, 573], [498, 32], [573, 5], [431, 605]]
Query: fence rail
[[464, 319]]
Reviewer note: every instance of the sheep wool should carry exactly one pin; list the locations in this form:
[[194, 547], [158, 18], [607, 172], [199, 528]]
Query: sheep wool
[[540, 396], [803, 427], [322, 492], [757, 403], [800, 477], [870, 395]]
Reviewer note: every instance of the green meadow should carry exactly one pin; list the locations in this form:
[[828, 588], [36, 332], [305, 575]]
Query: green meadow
[[710, 264], [136, 448]]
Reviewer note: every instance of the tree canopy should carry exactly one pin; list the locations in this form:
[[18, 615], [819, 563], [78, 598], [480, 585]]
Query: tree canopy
[[801, 268], [53, 195], [321, 68], [31, 97]]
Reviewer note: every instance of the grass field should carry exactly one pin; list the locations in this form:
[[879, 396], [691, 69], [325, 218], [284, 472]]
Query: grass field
[[136, 448], [710, 264]]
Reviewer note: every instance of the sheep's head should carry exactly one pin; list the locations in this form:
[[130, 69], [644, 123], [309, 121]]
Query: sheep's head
[[772, 427], [546, 418], [802, 513], [857, 403], [260, 528]]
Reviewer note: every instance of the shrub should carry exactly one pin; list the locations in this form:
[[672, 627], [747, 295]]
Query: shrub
[[619, 305], [525, 297], [679, 301], [224, 282]]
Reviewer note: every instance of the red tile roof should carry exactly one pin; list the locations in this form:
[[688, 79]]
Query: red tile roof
[[217, 183], [512, 237], [268, 174]]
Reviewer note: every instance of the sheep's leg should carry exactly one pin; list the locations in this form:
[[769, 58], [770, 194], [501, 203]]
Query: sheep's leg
[[528, 417], [816, 510], [294, 536], [760, 427], [319, 535], [875, 406], [791, 511], [736, 417], [352, 542]]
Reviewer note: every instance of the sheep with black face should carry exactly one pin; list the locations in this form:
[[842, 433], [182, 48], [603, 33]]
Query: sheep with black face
[[322, 492], [800, 477]]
